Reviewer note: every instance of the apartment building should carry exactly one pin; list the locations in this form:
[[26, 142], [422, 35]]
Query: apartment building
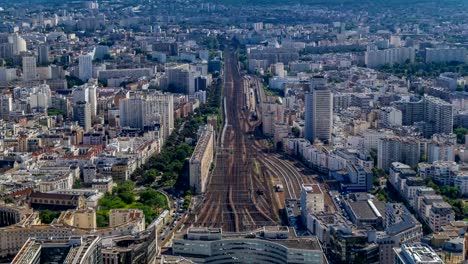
[[201, 160]]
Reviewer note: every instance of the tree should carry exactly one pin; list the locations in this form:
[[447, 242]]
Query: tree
[[77, 184], [9, 200], [430, 183], [461, 132], [124, 187], [73, 81], [296, 132], [127, 197], [110, 202], [47, 216], [181, 154], [451, 192], [150, 175], [153, 198], [102, 218]]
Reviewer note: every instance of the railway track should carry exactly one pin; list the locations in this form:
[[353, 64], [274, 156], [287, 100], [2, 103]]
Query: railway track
[[237, 198], [229, 199]]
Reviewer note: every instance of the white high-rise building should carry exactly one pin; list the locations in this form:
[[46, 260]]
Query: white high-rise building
[[101, 51], [92, 99], [132, 112], [86, 93], [318, 111], [29, 68], [390, 116], [6, 105], [19, 44], [82, 114], [43, 54], [163, 104], [140, 112], [438, 114], [445, 55], [40, 98], [182, 78], [7, 75], [375, 58], [85, 67], [312, 202]]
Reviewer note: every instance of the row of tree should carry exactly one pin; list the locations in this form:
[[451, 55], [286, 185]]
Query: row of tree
[[172, 162]]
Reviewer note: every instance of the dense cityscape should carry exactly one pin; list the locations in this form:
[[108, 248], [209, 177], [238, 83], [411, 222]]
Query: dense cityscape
[[222, 131]]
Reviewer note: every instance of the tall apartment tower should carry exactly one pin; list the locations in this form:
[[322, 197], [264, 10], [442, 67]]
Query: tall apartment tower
[[132, 112], [6, 105], [86, 93], [29, 68], [163, 104], [92, 99], [391, 149], [412, 110], [85, 67], [182, 78], [318, 111], [438, 115], [139, 112], [43, 54], [82, 114], [19, 44]]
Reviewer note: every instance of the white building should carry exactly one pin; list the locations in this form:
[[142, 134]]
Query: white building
[[86, 93], [29, 68], [318, 111], [82, 114], [443, 172], [440, 151], [312, 201], [6, 106], [461, 182], [7, 75], [40, 97], [137, 112], [201, 160], [445, 55], [19, 44], [390, 117], [182, 78], [85, 67], [375, 58], [416, 254]]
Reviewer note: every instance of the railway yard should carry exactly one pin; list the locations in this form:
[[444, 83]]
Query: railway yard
[[241, 192]]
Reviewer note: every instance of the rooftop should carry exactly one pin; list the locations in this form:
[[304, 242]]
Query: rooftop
[[202, 143], [290, 241], [53, 196], [312, 188], [419, 253]]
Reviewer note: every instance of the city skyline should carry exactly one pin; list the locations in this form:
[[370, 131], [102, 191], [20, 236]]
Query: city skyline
[[221, 131]]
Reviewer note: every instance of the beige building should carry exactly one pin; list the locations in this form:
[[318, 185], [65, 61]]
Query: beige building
[[311, 202], [272, 112], [118, 217], [201, 160], [56, 182], [124, 222], [84, 218], [103, 185]]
